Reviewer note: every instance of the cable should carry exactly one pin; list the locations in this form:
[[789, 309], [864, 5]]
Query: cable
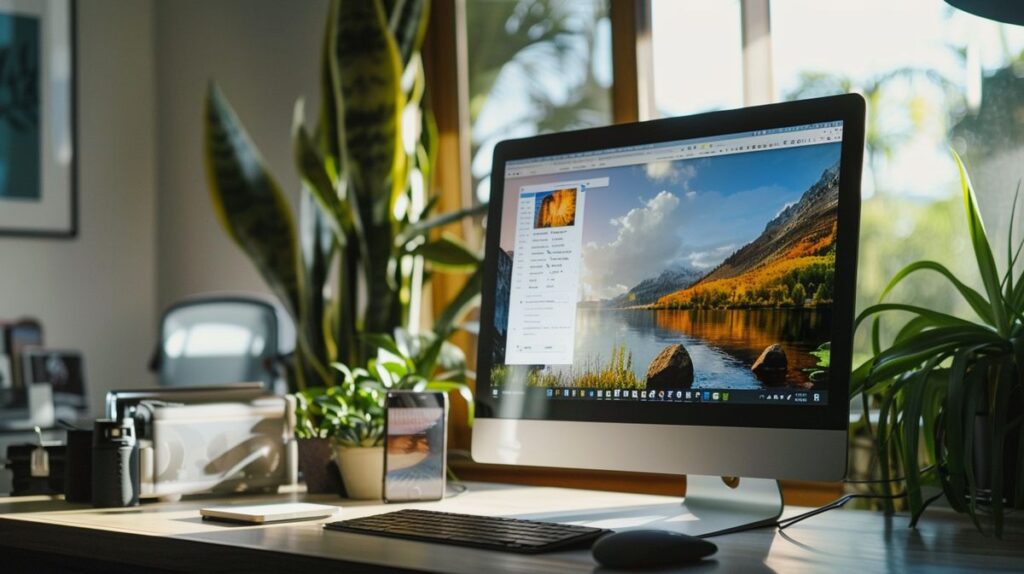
[[837, 503], [457, 487]]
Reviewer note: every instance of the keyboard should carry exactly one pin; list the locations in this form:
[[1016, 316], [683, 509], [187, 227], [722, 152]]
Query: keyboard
[[488, 532]]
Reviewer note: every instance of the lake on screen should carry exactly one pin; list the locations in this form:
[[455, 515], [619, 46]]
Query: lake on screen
[[723, 343]]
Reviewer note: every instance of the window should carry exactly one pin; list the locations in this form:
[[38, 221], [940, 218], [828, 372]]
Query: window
[[933, 77], [534, 66], [697, 56]]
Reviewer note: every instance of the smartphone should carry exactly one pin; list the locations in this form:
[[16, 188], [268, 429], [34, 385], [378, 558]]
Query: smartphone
[[415, 446]]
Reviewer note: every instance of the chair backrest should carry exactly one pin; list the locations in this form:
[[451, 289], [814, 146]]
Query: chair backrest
[[218, 340]]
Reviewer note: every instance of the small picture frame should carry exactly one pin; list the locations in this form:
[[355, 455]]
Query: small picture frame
[[38, 195]]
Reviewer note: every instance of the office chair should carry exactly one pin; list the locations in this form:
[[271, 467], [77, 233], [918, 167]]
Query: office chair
[[215, 340]]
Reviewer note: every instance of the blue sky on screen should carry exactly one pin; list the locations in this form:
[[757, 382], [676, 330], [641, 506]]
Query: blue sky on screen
[[691, 213]]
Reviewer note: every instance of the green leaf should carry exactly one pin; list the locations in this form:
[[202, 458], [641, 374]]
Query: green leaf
[[913, 410], [1011, 257], [998, 419], [328, 130], [911, 352], [317, 180], [935, 318], [464, 391], [913, 327], [318, 248], [369, 72], [423, 227], [249, 202], [977, 302], [448, 252], [983, 251], [407, 20], [382, 341]]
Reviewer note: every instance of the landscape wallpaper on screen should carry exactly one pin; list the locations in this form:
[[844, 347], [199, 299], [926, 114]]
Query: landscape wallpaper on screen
[[713, 272]]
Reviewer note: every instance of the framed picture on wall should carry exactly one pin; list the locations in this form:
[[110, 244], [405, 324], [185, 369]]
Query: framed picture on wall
[[38, 195]]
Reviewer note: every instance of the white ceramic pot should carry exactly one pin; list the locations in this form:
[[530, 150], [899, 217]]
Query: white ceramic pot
[[362, 470]]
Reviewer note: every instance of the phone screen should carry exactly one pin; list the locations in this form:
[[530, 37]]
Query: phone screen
[[415, 446]]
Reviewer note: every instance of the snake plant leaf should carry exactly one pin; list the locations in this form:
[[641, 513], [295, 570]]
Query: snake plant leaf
[[983, 251], [369, 77], [329, 121], [426, 151], [448, 252], [424, 227], [318, 246], [407, 20], [369, 74], [249, 202], [314, 174]]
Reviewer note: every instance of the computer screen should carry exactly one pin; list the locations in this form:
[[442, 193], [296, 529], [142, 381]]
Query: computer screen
[[696, 271]]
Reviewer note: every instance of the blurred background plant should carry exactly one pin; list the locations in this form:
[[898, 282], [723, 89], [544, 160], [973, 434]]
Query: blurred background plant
[[351, 270]]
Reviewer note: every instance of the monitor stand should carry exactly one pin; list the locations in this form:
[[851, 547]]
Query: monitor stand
[[711, 507], [720, 505]]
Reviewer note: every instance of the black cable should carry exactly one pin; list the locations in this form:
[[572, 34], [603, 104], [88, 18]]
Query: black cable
[[837, 503]]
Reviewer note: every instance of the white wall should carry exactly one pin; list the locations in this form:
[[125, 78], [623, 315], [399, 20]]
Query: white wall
[[97, 292], [143, 69], [264, 54]]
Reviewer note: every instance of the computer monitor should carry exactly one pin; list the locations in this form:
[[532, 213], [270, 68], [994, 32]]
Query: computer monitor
[[674, 296]]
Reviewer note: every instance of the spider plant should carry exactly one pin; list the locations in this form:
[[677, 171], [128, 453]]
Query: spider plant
[[949, 390]]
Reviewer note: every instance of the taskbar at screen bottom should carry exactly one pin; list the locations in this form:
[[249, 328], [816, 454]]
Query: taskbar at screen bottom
[[780, 395]]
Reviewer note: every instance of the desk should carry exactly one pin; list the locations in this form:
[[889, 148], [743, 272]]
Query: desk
[[172, 537]]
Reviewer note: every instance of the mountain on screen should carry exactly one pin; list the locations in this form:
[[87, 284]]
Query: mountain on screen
[[797, 247], [650, 290]]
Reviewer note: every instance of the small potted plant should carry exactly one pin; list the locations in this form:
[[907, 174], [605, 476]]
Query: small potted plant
[[948, 391], [347, 419], [316, 422]]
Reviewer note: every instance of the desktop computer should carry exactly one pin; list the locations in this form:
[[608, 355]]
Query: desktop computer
[[676, 296], [672, 296]]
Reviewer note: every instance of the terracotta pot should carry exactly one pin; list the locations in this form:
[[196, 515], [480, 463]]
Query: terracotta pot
[[362, 471], [318, 470]]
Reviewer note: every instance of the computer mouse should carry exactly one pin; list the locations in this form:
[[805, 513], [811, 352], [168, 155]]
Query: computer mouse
[[650, 549]]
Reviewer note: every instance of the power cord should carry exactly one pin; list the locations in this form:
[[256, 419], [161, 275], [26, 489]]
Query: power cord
[[457, 488], [842, 500]]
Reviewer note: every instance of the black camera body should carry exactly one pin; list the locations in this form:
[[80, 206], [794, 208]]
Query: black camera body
[[115, 464]]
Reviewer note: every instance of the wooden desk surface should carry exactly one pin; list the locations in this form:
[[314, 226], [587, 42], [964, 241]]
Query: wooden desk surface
[[172, 537]]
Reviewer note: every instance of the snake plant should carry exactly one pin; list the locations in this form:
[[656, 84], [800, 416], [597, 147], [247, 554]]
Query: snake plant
[[948, 390], [352, 267]]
